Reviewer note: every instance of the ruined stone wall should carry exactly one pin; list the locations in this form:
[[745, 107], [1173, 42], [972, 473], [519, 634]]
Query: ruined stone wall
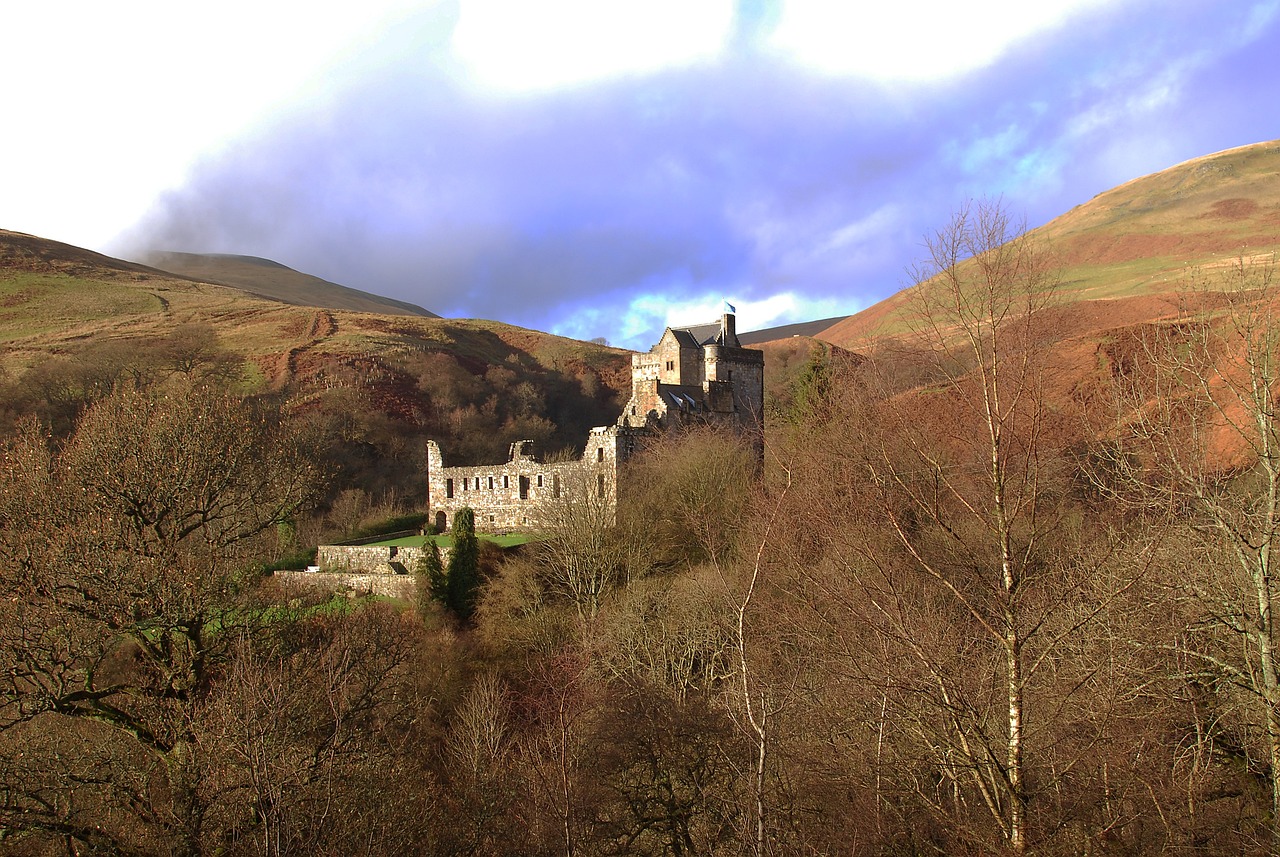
[[747, 365], [368, 559], [387, 585], [506, 497], [645, 367], [722, 383]]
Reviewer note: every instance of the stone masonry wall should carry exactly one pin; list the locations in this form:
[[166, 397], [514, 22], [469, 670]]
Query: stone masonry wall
[[506, 497], [370, 558], [671, 385], [387, 585]]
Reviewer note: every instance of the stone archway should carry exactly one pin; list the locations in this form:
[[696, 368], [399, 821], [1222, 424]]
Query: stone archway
[[441, 521]]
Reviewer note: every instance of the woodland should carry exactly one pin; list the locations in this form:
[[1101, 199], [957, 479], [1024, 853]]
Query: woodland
[[978, 600]]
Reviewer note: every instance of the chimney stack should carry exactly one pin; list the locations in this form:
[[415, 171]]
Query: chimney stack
[[728, 333]]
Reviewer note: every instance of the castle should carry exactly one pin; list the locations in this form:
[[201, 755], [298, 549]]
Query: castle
[[693, 375]]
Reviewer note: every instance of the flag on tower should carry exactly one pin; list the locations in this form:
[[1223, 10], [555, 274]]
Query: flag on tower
[[728, 307]]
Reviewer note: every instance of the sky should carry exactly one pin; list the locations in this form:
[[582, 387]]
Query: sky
[[603, 169]]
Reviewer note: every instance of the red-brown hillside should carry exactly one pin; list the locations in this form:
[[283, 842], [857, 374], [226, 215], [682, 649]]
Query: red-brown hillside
[[1128, 252]]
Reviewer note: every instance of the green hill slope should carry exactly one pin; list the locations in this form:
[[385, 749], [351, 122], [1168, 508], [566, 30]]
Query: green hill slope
[[74, 323], [273, 280], [1124, 253]]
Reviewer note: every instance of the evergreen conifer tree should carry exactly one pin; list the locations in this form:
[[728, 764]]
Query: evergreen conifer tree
[[463, 578], [431, 580]]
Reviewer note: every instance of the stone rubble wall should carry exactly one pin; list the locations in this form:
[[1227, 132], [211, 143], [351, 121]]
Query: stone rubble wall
[[511, 497], [369, 559], [364, 569], [386, 585], [719, 382]]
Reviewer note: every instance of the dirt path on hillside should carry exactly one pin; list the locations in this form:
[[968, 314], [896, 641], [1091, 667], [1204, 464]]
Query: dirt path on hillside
[[323, 326]]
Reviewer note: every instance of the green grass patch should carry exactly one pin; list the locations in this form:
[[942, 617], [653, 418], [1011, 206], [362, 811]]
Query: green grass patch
[[38, 304], [446, 541]]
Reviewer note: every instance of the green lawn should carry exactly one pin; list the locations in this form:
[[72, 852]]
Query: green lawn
[[446, 541]]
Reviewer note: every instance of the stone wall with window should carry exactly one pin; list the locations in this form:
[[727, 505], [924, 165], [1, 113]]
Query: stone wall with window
[[505, 497]]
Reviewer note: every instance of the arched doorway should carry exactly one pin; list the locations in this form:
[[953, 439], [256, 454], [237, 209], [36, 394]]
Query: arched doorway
[[440, 522]]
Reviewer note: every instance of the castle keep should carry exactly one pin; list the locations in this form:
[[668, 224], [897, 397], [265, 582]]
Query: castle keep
[[693, 375]]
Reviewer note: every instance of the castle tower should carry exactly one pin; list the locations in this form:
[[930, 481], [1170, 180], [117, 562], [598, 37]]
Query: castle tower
[[699, 374], [693, 375]]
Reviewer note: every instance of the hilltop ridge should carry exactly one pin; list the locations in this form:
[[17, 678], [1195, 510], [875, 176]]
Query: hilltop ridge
[[1140, 240], [271, 279]]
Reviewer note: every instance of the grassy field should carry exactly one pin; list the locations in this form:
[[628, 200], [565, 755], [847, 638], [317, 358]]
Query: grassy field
[[1149, 237], [446, 541]]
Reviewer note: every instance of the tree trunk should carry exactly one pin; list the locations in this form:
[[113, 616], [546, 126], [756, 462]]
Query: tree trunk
[[1017, 807], [180, 766]]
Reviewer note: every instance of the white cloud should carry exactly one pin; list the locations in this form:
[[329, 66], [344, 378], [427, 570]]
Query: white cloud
[[112, 103], [519, 46], [912, 40], [642, 323], [870, 230], [790, 246]]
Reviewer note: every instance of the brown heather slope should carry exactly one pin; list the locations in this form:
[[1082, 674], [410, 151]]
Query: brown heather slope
[[485, 379], [272, 280], [1126, 253], [55, 297], [1133, 260]]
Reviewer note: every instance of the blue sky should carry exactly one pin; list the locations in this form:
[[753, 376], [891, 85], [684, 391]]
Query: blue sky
[[604, 169]]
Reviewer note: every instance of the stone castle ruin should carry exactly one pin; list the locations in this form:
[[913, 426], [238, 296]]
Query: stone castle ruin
[[693, 375]]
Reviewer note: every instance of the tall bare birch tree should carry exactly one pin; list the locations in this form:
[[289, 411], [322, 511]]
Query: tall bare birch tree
[[965, 479], [1199, 444]]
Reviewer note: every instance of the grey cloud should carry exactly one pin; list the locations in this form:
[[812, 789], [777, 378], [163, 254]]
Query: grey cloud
[[744, 177]]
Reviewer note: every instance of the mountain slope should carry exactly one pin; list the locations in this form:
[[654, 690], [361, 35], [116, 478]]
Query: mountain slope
[[55, 298], [74, 324], [1145, 239], [786, 331], [273, 280]]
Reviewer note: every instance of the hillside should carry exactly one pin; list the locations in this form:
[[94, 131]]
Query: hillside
[[278, 282], [984, 595], [74, 323], [786, 331], [1128, 251]]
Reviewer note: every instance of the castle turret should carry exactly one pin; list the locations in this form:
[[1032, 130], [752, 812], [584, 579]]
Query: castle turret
[[728, 333]]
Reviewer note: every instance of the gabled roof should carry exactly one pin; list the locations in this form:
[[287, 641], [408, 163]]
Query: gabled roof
[[697, 335]]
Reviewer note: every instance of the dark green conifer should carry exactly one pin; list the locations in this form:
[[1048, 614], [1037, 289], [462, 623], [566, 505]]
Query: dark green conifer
[[464, 566], [431, 580]]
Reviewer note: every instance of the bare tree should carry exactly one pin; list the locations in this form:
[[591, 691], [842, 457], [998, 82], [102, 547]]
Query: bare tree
[[1197, 445], [584, 555], [757, 701], [978, 296], [123, 554], [982, 595], [688, 489]]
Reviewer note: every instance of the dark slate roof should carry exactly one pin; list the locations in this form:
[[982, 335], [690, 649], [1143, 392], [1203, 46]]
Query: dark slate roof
[[684, 338], [697, 335]]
